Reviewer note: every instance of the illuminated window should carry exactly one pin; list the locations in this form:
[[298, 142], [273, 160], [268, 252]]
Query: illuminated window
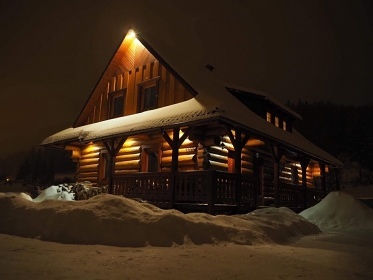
[[269, 117], [117, 104], [277, 121], [284, 125], [148, 95]]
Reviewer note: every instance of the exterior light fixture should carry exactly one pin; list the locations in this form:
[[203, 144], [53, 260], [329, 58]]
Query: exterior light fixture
[[131, 34]]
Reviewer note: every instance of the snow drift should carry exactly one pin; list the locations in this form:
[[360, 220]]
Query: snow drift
[[113, 220], [339, 210]]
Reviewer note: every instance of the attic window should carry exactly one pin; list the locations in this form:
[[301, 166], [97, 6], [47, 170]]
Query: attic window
[[269, 117], [117, 104], [284, 125], [148, 95], [277, 121]]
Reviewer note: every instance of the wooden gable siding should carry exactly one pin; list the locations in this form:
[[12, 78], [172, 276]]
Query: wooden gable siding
[[131, 65], [170, 91]]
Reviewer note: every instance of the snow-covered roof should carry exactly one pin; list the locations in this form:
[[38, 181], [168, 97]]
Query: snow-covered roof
[[267, 97], [212, 101], [187, 112]]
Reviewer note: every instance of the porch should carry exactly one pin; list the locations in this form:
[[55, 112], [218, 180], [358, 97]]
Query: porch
[[209, 191]]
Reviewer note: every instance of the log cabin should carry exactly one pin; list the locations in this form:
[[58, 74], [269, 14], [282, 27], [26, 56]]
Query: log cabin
[[160, 128]]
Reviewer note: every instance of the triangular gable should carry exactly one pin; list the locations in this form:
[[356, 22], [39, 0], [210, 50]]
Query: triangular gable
[[130, 55]]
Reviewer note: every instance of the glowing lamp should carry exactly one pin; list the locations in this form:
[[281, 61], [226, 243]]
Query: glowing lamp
[[131, 34]]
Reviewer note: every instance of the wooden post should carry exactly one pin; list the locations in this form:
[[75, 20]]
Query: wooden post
[[113, 149], [322, 177], [304, 163], [276, 155], [211, 193], [238, 144], [175, 144]]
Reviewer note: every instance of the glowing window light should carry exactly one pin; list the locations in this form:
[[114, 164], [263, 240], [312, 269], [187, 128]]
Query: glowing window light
[[268, 117], [277, 122]]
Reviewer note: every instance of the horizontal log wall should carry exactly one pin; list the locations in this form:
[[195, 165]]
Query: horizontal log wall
[[88, 163], [128, 158], [187, 156], [286, 175]]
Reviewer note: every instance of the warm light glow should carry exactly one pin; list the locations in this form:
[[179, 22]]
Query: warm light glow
[[91, 148], [131, 34], [277, 122], [269, 117], [254, 142]]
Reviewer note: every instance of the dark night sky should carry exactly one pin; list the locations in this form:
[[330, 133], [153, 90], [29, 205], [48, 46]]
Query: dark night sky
[[53, 52]]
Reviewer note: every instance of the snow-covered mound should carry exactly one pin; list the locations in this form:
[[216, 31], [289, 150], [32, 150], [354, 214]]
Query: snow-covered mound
[[114, 220], [19, 194], [339, 210], [54, 192]]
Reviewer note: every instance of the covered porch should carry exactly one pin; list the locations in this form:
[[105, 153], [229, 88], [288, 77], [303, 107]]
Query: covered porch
[[209, 191]]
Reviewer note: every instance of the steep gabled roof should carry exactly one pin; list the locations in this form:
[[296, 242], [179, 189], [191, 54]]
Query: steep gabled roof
[[124, 60], [212, 101]]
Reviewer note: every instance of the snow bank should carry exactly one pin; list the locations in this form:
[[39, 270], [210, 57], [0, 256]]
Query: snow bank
[[54, 192], [339, 210], [19, 194], [114, 220]]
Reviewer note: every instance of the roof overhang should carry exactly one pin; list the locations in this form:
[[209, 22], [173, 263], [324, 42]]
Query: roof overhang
[[187, 113]]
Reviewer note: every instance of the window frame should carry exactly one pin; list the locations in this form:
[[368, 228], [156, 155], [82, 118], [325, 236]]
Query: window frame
[[112, 97], [142, 87]]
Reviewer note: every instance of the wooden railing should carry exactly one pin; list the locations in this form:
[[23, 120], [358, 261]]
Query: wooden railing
[[295, 196], [208, 187], [290, 195], [201, 187], [148, 186]]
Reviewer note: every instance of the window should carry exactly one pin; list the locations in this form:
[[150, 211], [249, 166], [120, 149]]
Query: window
[[277, 122], [269, 117], [117, 104], [104, 167], [284, 125], [150, 159], [148, 95]]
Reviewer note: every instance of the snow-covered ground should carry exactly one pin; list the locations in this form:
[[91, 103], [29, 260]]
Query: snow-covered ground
[[59, 239]]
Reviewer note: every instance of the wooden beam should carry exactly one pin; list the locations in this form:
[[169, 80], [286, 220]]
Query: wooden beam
[[167, 138], [113, 148], [304, 163], [276, 155], [238, 143], [185, 135], [322, 177]]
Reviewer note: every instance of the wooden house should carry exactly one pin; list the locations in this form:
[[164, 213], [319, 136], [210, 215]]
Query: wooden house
[[161, 129]]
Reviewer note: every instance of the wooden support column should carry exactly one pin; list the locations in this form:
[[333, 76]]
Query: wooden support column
[[304, 163], [322, 177], [238, 143], [276, 155], [113, 147], [175, 144]]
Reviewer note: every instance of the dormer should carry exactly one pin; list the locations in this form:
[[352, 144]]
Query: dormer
[[267, 108]]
